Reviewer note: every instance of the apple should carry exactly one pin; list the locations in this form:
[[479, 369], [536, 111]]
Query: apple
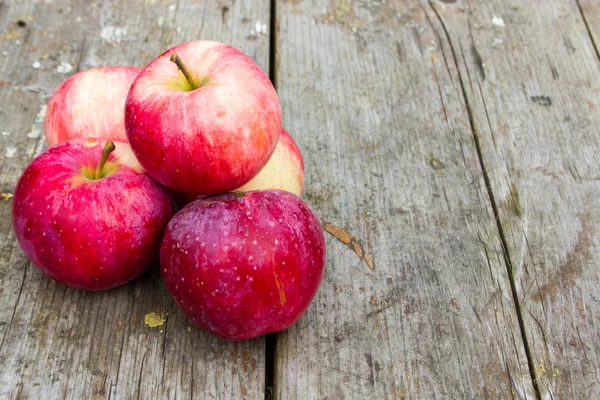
[[89, 105], [284, 171], [90, 218], [202, 118], [242, 265]]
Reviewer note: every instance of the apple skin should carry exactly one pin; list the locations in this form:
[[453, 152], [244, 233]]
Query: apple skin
[[213, 139], [242, 267], [89, 105], [89, 234], [284, 171]]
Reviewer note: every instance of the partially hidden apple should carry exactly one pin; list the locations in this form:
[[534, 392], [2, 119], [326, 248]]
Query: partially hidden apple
[[89, 105], [284, 171], [202, 118], [242, 265], [88, 216]]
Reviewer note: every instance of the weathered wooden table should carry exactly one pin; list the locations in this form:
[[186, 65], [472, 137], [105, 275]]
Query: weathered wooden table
[[452, 147]]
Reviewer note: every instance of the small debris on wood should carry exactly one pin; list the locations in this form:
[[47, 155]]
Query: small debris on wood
[[153, 319], [64, 68], [113, 34], [542, 100], [338, 233], [260, 29], [21, 23], [498, 22], [6, 196], [10, 152], [436, 164], [12, 35], [344, 237]]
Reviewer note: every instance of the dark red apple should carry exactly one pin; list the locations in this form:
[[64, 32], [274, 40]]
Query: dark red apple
[[242, 265], [202, 118], [90, 218]]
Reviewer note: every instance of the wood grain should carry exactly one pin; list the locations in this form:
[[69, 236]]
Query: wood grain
[[56, 342], [533, 86], [391, 162], [590, 15]]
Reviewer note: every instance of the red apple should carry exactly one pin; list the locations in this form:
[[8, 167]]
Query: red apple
[[89, 105], [202, 118], [90, 218], [242, 265], [284, 171]]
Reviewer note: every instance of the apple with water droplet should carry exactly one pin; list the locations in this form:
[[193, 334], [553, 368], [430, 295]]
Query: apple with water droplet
[[86, 214], [242, 265], [202, 118], [89, 105]]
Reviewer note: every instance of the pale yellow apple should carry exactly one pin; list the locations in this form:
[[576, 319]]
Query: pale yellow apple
[[284, 170]]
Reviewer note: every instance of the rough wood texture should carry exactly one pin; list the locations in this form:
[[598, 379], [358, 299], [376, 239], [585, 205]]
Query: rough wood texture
[[590, 14], [390, 160], [56, 342], [533, 86], [451, 148]]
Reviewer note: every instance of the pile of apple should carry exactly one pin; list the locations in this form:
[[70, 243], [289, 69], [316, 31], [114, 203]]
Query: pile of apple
[[201, 125]]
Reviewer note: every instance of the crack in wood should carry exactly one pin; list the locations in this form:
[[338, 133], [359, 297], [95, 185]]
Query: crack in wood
[[272, 338], [503, 240], [15, 307], [589, 30]]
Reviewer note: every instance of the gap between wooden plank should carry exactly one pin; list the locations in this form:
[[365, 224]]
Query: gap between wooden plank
[[589, 30], [506, 255], [271, 339]]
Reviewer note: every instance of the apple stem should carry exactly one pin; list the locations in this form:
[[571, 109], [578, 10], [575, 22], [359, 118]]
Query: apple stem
[[175, 58], [108, 148]]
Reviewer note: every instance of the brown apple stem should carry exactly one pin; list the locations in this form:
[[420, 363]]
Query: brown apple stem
[[108, 148], [175, 58]]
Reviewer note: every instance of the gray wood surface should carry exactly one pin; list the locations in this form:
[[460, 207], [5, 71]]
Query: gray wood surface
[[534, 90], [391, 160], [590, 14], [451, 151], [57, 342]]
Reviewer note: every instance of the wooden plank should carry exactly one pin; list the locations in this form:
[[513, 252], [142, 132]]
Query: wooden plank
[[590, 14], [390, 160], [56, 342], [532, 80]]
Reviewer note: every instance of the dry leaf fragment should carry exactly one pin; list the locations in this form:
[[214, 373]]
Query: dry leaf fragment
[[153, 319], [354, 244]]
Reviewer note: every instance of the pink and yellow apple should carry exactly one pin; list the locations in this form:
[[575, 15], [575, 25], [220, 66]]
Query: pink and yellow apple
[[242, 265], [90, 218], [89, 105], [284, 171], [202, 118]]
